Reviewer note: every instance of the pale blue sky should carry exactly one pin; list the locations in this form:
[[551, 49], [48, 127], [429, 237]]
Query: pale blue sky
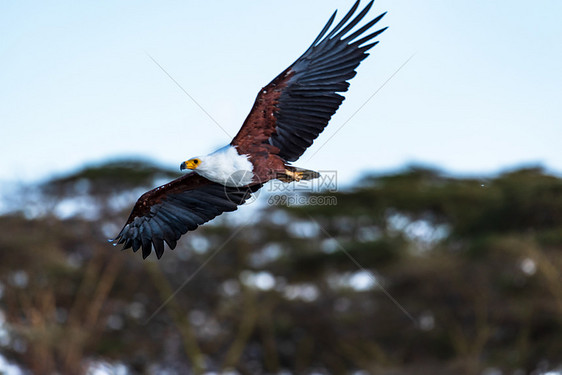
[[482, 93]]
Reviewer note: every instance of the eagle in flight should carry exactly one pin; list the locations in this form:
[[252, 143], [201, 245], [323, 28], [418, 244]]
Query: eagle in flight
[[288, 115]]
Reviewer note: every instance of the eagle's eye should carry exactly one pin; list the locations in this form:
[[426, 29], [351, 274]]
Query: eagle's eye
[[195, 161]]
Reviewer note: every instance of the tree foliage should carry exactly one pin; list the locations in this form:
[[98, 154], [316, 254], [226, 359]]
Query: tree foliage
[[414, 272]]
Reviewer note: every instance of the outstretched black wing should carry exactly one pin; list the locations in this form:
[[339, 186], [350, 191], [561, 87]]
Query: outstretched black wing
[[169, 211], [296, 106]]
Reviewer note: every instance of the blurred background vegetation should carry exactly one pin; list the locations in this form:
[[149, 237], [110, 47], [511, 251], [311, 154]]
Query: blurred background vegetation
[[474, 264]]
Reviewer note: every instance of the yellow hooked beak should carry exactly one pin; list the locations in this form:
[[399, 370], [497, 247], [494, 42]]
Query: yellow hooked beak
[[190, 164]]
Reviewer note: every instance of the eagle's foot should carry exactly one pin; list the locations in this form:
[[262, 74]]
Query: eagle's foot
[[297, 174], [294, 175]]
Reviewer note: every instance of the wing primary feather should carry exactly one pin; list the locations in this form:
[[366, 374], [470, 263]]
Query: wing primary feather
[[354, 22], [344, 19], [171, 244], [326, 27], [136, 244], [146, 236], [128, 244], [364, 28], [369, 37], [157, 239], [158, 248], [121, 238]]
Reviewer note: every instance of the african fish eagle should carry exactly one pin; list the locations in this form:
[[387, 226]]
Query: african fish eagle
[[288, 115]]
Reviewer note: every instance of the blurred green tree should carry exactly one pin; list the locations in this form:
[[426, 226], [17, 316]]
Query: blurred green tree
[[474, 263]]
